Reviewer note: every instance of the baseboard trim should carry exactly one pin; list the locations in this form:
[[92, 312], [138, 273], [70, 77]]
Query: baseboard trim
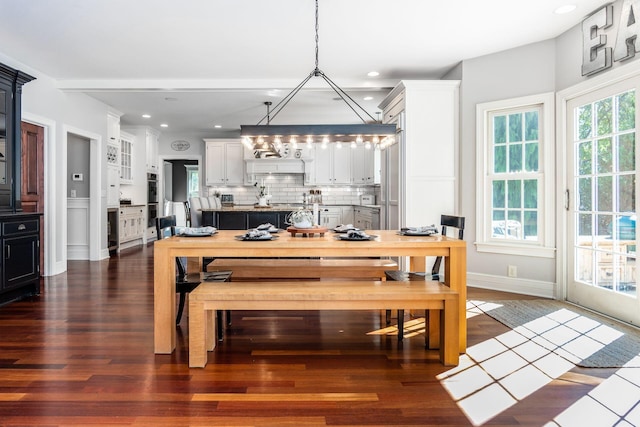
[[510, 284]]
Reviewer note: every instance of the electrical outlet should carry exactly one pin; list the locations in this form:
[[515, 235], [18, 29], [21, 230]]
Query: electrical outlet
[[73, 193], [512, 271]]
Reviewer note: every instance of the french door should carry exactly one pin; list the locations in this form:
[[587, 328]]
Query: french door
[[602, 241]]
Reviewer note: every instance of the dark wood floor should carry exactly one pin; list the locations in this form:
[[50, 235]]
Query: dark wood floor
[[82, 354]]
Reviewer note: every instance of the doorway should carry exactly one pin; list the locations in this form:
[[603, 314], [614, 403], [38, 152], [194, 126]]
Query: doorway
[[180, 180], [601, 171], [32, 175]]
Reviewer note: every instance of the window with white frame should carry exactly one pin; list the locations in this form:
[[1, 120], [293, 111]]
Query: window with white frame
[[515, 196]]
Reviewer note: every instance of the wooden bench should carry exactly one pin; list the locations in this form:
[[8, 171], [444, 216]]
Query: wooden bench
[[319, 295], [293, 268]]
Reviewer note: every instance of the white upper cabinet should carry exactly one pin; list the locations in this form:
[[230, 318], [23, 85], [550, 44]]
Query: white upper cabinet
[[126, 158], [333, 165], [225, 162], [364, 168], [151, 138], [113, 128]]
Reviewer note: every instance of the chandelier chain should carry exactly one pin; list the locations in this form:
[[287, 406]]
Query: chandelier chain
[[317, 37]]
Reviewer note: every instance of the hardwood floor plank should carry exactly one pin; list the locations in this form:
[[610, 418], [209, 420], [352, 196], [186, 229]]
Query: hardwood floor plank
[[81, 354]]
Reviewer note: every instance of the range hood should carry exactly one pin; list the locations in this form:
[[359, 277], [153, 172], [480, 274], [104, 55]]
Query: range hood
[[275, 165], [270, 166]]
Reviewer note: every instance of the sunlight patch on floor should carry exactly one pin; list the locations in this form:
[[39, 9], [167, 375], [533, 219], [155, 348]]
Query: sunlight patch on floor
[[498, 373]]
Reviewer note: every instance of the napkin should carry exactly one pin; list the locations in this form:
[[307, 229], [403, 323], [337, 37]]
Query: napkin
[[424, 229], [343, 227], [357, 234], [265, 226], [257, 234], [195, 230]]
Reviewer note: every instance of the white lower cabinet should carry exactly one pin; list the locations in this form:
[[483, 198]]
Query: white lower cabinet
[[366, 218], [132, 226], [330, 216]]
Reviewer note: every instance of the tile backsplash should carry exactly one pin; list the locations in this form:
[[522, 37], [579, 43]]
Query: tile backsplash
[[290, 189]]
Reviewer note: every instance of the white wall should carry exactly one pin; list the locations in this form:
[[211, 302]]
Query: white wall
[[43, 103], [513, 73]]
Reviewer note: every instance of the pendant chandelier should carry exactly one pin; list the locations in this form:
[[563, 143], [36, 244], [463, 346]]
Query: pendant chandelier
[[268, 137]]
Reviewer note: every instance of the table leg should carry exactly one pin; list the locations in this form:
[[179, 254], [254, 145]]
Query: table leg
[[164, 302], [449, 331], [455, 276]]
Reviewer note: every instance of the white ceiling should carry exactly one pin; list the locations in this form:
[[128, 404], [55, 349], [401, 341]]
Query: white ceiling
[[196, 63]]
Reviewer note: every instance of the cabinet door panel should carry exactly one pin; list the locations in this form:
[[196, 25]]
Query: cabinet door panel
[[257, 218], [232, 220], [342, 165], [323, 166], [235, 164], [215, 164], [21, 256]]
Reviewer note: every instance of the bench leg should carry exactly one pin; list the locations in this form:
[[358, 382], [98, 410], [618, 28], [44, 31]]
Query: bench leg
[[449, 333], [210, 329], [432, 317], [400, 325], [197, 335]]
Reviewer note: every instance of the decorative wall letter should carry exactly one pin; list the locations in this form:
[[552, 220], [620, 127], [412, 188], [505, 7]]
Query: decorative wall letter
[[595, 57], [627, 43]]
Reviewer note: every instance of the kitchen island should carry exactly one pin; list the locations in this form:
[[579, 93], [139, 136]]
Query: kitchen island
[[242, 217]]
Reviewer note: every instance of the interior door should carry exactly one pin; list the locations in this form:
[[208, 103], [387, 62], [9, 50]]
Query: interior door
[[602, 240], [32, 174]]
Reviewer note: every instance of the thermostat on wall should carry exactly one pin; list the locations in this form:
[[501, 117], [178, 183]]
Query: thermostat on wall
[[76, 177]]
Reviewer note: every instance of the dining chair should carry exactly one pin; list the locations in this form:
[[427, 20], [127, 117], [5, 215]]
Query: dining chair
[[185, 283], [446, 221]]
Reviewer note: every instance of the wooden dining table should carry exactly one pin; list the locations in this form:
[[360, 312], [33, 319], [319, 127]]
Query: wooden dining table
[[224, 243]]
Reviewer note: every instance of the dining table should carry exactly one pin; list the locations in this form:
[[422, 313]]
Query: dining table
[[229, 244]]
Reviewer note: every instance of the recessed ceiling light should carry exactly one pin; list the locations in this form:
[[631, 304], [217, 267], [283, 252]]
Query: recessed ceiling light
[[565, 9], [146, 116], [170, 98], [217, 126], [164, 125], [368, 98], [373, 74]]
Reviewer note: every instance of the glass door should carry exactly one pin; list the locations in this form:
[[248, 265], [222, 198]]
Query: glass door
[[602, 212]]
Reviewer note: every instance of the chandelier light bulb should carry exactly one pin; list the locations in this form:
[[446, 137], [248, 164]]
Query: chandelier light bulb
[[359, 139], [338, 144], [375, 139], [367, 145], [353, 144]]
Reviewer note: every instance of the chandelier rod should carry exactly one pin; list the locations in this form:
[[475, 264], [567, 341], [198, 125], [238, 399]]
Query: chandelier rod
[[315, 73]]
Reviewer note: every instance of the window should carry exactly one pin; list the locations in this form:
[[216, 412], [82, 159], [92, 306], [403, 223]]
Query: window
[[193, 181], [515, 171]]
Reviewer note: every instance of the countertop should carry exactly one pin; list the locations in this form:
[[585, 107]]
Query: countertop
[[274, 208]]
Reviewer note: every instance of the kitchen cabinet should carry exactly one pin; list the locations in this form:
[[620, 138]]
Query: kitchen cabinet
[[11, 82], [365, 170], [330, 216], [366, 218], [132, 225], [224, 162], [232, 220], [333, 165], [113, 186], [419, 170], [151, 140], [113, 128], [113, 160], [126, 158], [20, 263]]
